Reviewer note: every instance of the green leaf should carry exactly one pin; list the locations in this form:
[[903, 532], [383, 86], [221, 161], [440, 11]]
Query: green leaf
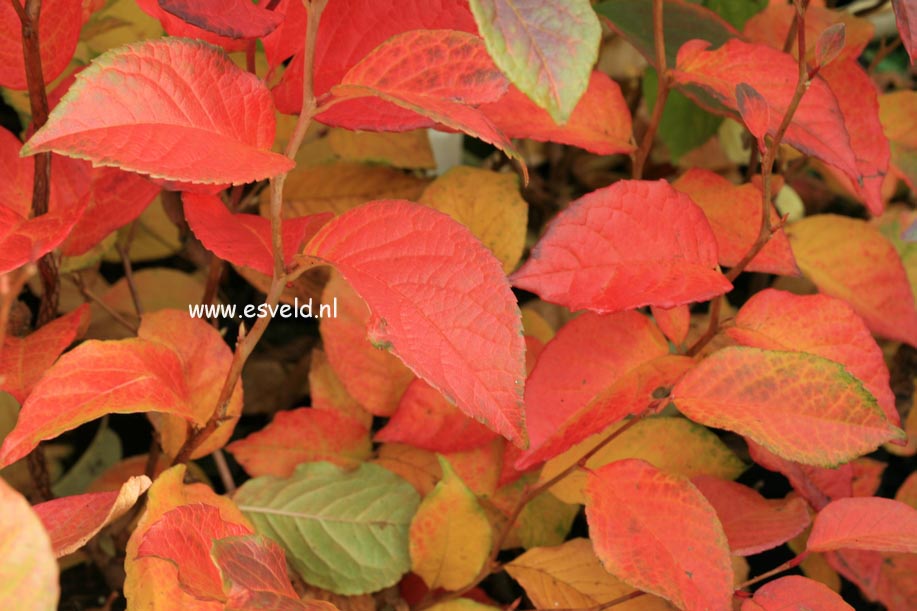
[[104, 451], [684, 125], [736, 12], [344, 531], [545, 48]]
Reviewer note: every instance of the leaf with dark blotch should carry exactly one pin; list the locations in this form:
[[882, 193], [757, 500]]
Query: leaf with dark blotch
[[231, 18]]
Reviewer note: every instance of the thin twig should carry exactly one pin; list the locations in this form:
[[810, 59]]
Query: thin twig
[[662, 93], [88, 295], [124, 250], [229, 483], [786, 566]]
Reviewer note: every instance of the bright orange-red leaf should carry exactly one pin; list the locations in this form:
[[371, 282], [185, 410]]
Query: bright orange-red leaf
[[870, 523], [600, 123], [906, 16], [24, 360], [866, 271], [28, 573], [302, 435], [437, 74], [58, 33], [94, 379], [795, 593], [753, 523], [756, 392], [230, 18], [439, 300], [821, 325], [374, 377], [645, 244], [674, 322], [658, 533], [200, 118], [245, 239], [587, 355], [425, 419], [858, 99], [817, 128], [183, 536], [734, 212], [205, 361], [72, 520]]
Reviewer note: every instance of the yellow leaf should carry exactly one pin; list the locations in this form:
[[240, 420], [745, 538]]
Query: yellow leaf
[[571, 576], [675, 445], [418, 467], [398, 149], [152, 583], [488, 203], [117, 23], [155, 236], [535, 325], [462, 604], [450, 535]]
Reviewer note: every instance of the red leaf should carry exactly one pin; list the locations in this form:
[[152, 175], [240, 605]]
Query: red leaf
[[255, 568], [369, 24], [658, 533], [200, 117], [600, 123], [16, 187], [94, 379], [115, 199], [867, 273], [439, 299], [302, 435], [753, 523], [756, 392], [71, 521], [674, 322], [906, 16], [817, 485], [438, 74], [646, 244], [795, 593], [230, 18], [245, 239], [586, 356], [23, 361], [885, 577], [175, 26], [869, 523], [754, 111], [58, 33], [734, 212], [820, 325], [184, 536], [425, 419], [830, 43], [858, 100], [817, 128]]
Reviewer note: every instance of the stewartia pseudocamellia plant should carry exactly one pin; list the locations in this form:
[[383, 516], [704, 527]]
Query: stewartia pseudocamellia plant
[[633, 162]]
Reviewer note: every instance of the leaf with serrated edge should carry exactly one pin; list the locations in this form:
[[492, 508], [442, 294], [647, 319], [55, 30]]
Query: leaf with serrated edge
[[795, 593], [657, 532], [450, 535], [174, 109], [570, 576], [72, 520], [28, 571], [646, 244], [445, 308], [547, 49], [344, 531], [756, 392], [869, 523]]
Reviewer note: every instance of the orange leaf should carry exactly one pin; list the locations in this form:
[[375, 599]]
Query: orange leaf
[[23, 361], [752, 523], [71, 521], [898, 115], [820, 325], [674, 322], [28, 571], [658, 533], [734, 212], [867, 272], [795, 593], [646, 244], [302, 435], [869, 523], [756, 392]]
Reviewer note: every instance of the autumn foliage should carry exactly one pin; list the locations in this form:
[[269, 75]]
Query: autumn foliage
[[647, 341]]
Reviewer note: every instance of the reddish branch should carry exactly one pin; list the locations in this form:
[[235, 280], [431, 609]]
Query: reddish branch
[[766, 229], [247, 341], [662, 94]]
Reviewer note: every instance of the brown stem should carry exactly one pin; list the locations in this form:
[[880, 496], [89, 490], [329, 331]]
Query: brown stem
[[786, 566], [662, 93], [766, 230], [124, 250], [611, 603], [225, 474], [246, 343], [88, 295]]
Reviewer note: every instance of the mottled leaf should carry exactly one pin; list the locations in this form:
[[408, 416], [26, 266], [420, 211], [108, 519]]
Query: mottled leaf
[[230, 18], [869, 523], [795, 593]]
